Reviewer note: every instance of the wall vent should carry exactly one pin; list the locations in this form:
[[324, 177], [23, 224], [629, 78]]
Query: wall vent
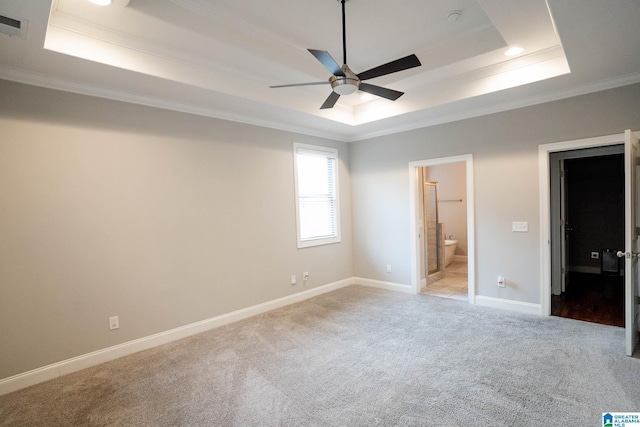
[[13, 27]]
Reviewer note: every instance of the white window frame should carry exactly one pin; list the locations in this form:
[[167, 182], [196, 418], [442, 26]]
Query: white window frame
[[320, 151]]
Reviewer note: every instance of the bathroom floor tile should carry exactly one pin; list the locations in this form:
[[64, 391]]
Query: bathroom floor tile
[[453, 285]]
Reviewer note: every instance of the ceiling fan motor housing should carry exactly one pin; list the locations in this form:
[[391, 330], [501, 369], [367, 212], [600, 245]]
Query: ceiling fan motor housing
[[347, 84]]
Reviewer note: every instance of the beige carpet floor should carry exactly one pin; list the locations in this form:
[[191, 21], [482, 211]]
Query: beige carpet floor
[[355, 357]]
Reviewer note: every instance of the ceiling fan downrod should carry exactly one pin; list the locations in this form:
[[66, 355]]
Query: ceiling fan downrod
[[344, 33]]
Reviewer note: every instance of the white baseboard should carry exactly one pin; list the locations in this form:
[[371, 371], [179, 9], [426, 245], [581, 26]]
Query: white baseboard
[[45, 373], [390, 286], [584, 269], [522, 307]]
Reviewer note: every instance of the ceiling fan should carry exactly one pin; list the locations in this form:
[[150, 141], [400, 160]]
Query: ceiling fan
[[345, 82]]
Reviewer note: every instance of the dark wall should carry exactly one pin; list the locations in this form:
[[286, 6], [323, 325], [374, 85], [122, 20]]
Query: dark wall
[[595, 206]]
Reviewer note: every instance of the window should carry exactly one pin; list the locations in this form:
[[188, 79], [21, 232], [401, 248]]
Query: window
[[316, 181]]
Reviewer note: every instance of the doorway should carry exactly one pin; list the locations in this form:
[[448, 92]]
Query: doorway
[[631, 251], [587, 222], [419, 243], [442, 192], [631, 141]]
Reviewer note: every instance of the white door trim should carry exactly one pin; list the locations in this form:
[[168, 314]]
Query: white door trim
[[413, 220], [631, 264], [545, 210]]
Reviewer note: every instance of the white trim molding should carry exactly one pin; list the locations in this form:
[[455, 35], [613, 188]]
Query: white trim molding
[[545, 209], [390, 286], [413, 220], [74, 364], [507, 304]]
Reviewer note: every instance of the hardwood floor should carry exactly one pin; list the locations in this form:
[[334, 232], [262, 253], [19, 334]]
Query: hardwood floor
[[592, 298]]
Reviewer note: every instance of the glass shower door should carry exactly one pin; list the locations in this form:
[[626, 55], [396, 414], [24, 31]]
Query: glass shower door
[[432, 241]]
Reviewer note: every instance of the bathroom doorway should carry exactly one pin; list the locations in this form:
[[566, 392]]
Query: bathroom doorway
[[442, 223]]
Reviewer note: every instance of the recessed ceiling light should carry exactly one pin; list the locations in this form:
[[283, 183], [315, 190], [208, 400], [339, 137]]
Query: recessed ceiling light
[[515, 50], [101, 2]]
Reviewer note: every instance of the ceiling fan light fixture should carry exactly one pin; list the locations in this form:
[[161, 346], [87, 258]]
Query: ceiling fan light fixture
[[344, 85]]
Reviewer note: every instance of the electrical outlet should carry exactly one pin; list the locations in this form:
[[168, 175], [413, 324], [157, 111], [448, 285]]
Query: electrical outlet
[[114, 323], [388, 268], [502, 282], [305, 276], [293, 279]]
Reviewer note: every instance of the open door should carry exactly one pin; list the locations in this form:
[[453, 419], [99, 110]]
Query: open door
[[565, 229], [631, 240]]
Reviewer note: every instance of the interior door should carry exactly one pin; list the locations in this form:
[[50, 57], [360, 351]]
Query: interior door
[[564, 227], [631, 240]]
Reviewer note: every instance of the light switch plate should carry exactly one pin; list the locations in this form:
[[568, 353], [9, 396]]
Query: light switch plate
[[520, 226]]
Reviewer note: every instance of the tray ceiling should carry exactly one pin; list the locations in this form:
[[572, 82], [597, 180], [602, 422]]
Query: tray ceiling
[[219, 57]]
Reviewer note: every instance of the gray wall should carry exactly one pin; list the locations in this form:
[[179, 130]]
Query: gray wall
[[165, 218], [505, 151], [159, 217]]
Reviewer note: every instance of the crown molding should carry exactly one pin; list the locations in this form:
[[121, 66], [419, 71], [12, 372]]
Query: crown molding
[[499, 107], [68, 85]]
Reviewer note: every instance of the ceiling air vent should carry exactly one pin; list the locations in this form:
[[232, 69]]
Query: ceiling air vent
[[13, 27]]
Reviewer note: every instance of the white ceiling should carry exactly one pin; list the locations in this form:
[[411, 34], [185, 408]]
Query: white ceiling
[[218, 57]]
